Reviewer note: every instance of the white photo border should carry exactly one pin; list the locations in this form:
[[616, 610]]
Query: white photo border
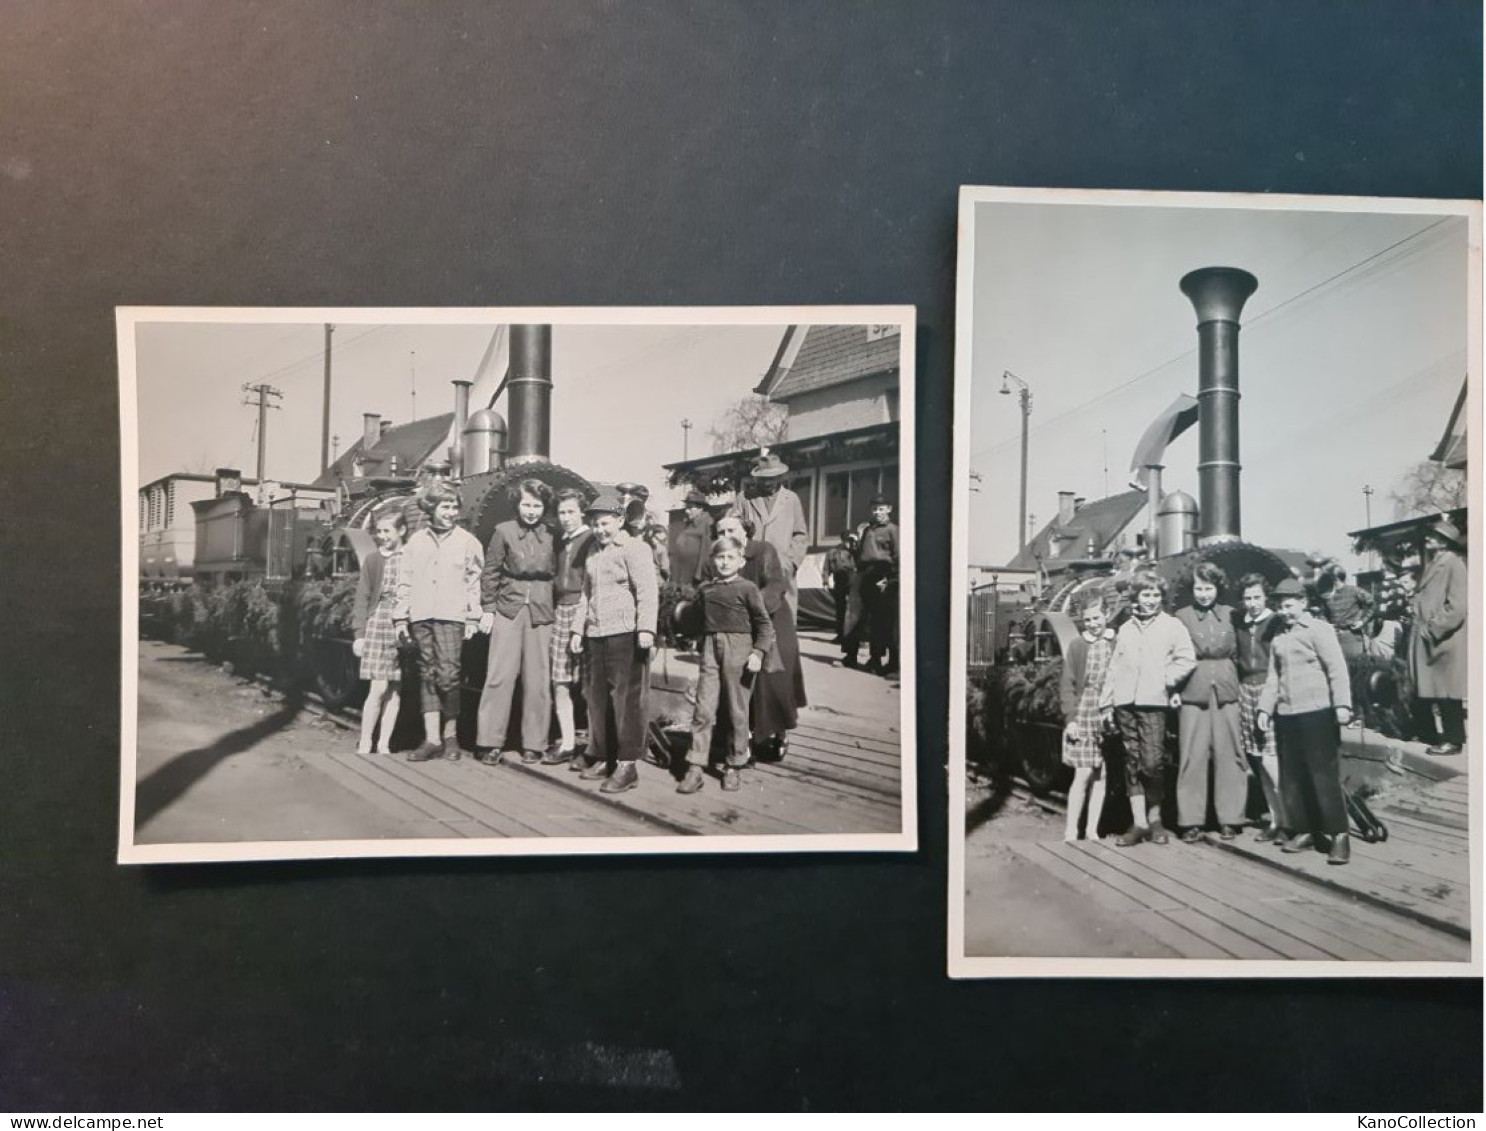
[[127, 318]]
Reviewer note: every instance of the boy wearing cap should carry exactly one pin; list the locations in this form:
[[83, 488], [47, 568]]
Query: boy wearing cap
[[877, 576], [1308, 696], [438, 608], [778, 517], [614, 628], [841, 571]]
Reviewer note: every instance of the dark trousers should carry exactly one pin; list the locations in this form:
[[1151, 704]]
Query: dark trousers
[[1310, 772], [1143, 732], [439, 645], [615, 669], [877, 620], [1452, 721], [841, 593]]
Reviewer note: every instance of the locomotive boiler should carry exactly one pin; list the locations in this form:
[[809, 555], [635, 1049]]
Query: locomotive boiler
[[1020, 714]]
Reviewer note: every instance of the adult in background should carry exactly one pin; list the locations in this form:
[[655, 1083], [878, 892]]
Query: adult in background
[[1308, 696], [877, 583], [779, 690], [1437, 644], [691, 541], [638, 521], [516, 596], [1208, 718], [614, 628], [841, 572], [776, 513]]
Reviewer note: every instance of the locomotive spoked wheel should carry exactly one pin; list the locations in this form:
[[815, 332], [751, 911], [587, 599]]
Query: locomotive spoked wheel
[[337, 672]]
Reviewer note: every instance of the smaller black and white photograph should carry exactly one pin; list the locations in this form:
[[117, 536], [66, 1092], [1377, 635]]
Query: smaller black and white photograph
[[469, 582], [1213, 652]]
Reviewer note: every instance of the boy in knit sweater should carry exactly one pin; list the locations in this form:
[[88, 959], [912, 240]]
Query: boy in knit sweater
[[737, 635]]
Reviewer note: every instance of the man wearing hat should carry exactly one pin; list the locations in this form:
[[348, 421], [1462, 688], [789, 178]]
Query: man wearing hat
[[877, 583], [777, 517], [614, 629], [1437, 645], [689, 545], [638, 519], [1308, 695]]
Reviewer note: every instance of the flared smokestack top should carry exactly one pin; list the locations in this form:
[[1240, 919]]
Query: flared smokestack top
[[1218, 295], [529, 389]]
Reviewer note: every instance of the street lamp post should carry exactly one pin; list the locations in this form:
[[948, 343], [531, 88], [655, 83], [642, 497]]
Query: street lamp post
[[1024, 398], [1367, 494], [686, 439]]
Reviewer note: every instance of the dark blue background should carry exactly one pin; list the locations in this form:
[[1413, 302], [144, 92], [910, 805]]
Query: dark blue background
[[611, 153]]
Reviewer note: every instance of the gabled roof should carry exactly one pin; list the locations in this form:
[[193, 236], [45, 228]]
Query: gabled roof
[[825, 356], [411, 443], [1452, 448], [1102, 520]]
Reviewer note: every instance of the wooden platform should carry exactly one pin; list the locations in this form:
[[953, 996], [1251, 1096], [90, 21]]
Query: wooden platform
[[840, 776], [1203, 902]]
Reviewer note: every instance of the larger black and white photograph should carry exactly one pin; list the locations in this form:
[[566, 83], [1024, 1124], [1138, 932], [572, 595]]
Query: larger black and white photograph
[[1213, 647], [492, 582]]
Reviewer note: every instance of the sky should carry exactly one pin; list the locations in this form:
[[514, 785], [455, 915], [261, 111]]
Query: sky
[[1351, 354], [619, 395]]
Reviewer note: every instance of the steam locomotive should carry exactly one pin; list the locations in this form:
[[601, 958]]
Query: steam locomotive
[[291, 611]]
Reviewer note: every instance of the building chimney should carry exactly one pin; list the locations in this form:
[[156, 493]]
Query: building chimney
[[530, 392], [371, 430], [1218, 295], [1066, 507], [1078, 503], [461, 418], [382, 433]]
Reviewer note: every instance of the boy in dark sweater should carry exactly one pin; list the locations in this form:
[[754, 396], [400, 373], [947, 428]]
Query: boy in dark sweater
[[737, 636]]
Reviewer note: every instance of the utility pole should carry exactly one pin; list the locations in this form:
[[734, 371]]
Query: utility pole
[[261, 393], [1367, 494], [335, 447], [686, 439], [413, 377], [325, 423], [1024, 398]]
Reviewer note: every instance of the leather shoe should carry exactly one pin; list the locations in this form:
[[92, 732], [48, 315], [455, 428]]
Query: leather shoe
[[850, 662], [693, 781], [530, 757], [488, 757], [1298, 843], [452, 752], [594, 771], [1191, 835], [1132, 836], [556, 756], [1227, 832], [1268, 833], [624, 777], [1158, 833], [426, 753], [1341, 849], [1442, 749], [732, 781]]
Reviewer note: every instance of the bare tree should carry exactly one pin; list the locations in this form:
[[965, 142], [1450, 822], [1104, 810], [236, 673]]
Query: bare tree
[[1428, 488], [753, 422]]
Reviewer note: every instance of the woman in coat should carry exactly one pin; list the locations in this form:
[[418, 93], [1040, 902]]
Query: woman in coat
[[1437, 645], [778, 690]]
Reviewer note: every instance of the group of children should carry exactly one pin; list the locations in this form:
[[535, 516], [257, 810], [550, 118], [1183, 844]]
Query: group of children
[[568, 613], [1262, 694]]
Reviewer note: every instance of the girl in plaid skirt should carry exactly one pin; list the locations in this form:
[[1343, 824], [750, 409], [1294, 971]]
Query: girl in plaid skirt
[[1083, 735], [376, 640], [574, 539]]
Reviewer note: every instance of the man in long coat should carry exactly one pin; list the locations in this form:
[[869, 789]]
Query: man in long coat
[[1437, 644], [693, 536], [778, 518]]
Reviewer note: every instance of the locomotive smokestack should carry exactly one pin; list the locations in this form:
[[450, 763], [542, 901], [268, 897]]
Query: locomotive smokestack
[[530, 387], [461, 418], [1218, 294]]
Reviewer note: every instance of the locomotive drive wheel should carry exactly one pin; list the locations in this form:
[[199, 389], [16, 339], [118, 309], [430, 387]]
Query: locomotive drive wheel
[[336, 671]]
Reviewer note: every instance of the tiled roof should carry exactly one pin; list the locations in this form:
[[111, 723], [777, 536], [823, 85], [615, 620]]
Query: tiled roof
[[411, 443], [833, 355], [1102, 520], [1454, 445]]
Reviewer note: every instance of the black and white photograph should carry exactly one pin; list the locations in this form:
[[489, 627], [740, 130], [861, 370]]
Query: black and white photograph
[[1212, 647], [466, 582]]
